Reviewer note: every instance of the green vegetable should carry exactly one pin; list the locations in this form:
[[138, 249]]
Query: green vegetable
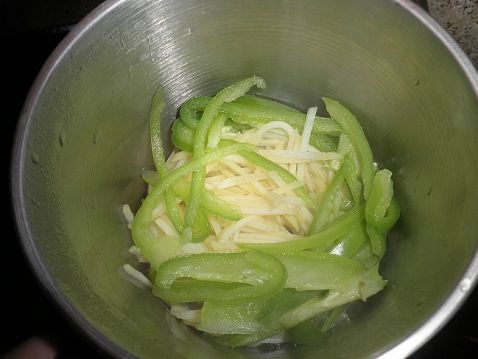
[[144, 236], [190, 108], [219, 277], [215, 132], [264, 317], [351, 168], [322, 241], [266, 164], [210, 204], [157, 106], [256, 111], [324, 143], [250, 111], [220, 317], [182, 136], [318, 271], [210, 112], [325, 207], [300, 286], [353, 241], [351, 127], [352, 289]]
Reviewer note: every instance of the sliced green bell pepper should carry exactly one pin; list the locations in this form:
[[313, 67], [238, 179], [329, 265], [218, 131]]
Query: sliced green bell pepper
[[318, 271], [215, 132], [351, 127], [143, 235], [351, 168], [210, 112], [218, 317], [219, 277], [356, 288], [380, 197], [321, 241], [157, 107], [182, 136], [326, 204], [190, 108]]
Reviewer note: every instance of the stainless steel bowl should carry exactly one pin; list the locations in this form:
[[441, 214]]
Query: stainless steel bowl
[[82, 142]]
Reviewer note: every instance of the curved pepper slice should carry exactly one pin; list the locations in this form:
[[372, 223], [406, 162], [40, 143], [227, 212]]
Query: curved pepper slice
[[255, 111], [319, 271], [322, 241], [143, 235], [199, 147], [351, 127], [325, 207], [219, 277], [190, 108], [157, 107]]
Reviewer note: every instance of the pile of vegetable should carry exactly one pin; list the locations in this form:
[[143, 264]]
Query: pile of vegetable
[[263, 221]]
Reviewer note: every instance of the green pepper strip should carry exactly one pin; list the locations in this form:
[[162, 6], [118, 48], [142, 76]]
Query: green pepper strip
[[380, 197], [378, 241], [157, 106], [324, 143], [353, 241], [365, 256], [252, 101], [218, 317], [269, 165], [219, 277], [351, 127], [322, 240], [188, 110], [278, 306], [255, 116], [357, 288], [351, 168], [376, 209], [215, 132], [318, 271], [210, 203], [210, 112], [256, 111], [391, 217], [289, 312], [143, 237], [182, 136], [326, 205]]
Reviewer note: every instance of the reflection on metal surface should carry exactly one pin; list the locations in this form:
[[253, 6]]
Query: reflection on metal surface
[[417, 99]]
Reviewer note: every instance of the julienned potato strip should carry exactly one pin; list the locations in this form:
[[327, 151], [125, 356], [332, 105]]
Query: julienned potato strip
[[302, 261]]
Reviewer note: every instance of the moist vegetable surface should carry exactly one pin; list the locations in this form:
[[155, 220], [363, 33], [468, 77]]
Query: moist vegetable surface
[[263, 221]]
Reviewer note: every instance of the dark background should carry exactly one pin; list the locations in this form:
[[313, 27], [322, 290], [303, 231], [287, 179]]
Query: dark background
[[30, 30]]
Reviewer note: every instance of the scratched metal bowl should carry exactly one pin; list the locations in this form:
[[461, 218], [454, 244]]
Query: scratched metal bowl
[[82, 142]]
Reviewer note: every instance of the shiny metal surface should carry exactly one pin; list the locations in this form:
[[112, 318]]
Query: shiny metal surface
[[82, 143]]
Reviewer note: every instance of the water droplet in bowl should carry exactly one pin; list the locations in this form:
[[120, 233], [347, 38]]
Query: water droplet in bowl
[[96, 137], [35, 158], [62, 139]]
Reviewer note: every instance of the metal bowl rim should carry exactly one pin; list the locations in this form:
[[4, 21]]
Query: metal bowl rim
[[406, 347]]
